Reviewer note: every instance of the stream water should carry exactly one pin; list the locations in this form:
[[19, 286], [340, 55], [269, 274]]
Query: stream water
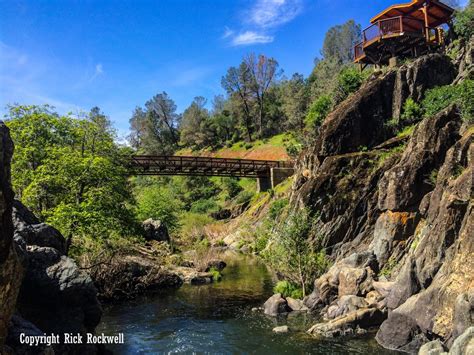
[[218, 318]]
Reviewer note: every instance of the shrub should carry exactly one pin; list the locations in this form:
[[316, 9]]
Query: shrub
[[292, 253], [243, 197], [160, 204], [441, 97], [277, 207], [231, 186], [204, 206], [348, 81], [411, 111], [318, 111], [287, 289], [216, 274]]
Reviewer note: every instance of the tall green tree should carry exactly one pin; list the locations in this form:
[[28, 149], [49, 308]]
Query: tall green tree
[[70, 172], [340, 40], [195, 130], [295, 100], [154, 130]]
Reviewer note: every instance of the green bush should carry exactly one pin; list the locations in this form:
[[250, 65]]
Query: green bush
[[464, 22], [349, 80], [441, 97], [287, 289], [318, 111], [160, 204], [243, 197], [216, 274], [231, 186], [204, 206], [277, 207], [411, 111]]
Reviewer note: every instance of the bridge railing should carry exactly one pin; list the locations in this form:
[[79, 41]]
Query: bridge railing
[[203, 166]]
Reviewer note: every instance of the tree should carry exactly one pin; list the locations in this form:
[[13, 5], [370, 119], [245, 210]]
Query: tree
[[263, 73], [155, 129], [194, 129], [295, 97], [340, 40], [70, 172], [292, 253], [237, 82]]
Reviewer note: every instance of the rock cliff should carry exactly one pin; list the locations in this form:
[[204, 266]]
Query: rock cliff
[[41, 289], [395, 213]]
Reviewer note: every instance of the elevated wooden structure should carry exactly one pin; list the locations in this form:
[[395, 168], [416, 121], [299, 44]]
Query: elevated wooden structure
[[268, 173], [400, 31]]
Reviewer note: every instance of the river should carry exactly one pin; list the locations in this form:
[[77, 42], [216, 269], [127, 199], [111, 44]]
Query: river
[[218, 318]]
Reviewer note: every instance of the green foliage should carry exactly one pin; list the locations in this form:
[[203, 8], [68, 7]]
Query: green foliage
[[433, 177], [441, 97], [277, 207], [411, 111], [291, 252], [464, 21], [243, 197], [389, 267], [407, 131], [318, 111], [339, 41], [204, 206], [70, 172], [231, 187], [216, 274], [220, 243], [159, 203], [349, 80], [287, 289]]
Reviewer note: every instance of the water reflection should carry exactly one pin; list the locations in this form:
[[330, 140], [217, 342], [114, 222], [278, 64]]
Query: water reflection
[[217, 318]]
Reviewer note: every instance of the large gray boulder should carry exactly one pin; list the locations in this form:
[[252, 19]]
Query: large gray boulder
[[276, 305]]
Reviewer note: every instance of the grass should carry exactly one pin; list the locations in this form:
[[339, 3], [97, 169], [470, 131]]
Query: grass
[[216, 274], [387, 154], [407, 131]]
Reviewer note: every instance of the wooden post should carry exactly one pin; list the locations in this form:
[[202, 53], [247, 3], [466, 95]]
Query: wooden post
[[425, 12]]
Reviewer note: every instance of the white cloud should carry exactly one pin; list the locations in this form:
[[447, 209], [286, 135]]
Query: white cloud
[[261, 21], [274, 13], [227, 32], [251, 37]]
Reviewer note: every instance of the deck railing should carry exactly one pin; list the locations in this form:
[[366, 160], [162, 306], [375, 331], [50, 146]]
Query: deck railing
[[386, 28]]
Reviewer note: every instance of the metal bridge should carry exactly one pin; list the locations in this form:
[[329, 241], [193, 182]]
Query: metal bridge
[[206, 166]]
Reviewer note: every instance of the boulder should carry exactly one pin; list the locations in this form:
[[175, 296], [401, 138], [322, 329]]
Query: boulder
[[276, 305], [19, 326], [346, 304], [42, 235], [281, 329], [155, 230], [464, 344], [363, 318], [56, 295], [296, 305], [434, 347]]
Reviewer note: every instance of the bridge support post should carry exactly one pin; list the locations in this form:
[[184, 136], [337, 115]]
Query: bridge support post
[[278, 175], [264, 183]]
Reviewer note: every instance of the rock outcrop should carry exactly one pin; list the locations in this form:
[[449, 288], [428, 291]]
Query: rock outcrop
[[395, 213], [11, 270], [155, 230]]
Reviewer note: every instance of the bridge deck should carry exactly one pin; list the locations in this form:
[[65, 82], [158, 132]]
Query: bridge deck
[[203, 166]]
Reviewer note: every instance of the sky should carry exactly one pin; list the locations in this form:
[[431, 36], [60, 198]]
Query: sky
[[117, 54]]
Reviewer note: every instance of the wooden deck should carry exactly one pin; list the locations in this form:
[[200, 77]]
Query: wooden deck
[[406, 30]]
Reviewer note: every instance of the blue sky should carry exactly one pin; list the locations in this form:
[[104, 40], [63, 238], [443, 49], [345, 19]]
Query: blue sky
[[118, 54]]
